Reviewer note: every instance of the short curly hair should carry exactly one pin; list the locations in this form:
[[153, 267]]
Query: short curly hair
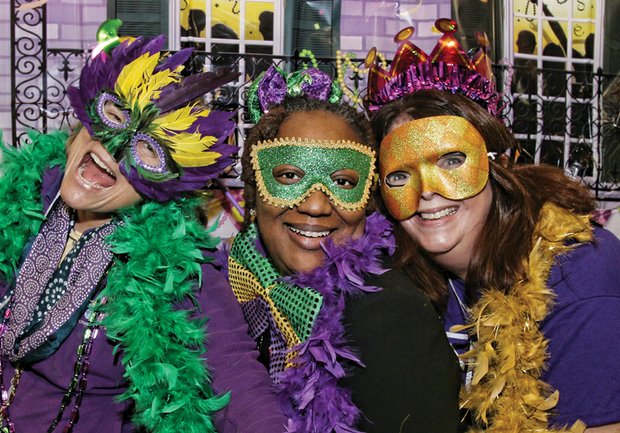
[[268, 127]]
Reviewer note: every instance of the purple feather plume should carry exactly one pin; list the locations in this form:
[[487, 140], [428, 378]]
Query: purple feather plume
[[192, 87], [216, 124], [103, 71], [310, 392], [175, 60]]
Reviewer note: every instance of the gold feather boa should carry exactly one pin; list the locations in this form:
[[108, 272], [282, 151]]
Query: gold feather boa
[[506, 394]]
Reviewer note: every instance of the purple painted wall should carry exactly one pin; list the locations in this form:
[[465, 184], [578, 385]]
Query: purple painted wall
[[74, 23], [373, 23], [5, 62]]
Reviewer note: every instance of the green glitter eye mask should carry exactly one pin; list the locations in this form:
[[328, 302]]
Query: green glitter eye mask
[[318, 160]]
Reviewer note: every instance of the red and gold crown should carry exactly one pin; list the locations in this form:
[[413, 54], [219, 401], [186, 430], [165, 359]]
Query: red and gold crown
[[447, 68]]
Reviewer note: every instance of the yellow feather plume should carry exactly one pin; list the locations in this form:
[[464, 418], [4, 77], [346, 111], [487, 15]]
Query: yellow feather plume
[[205, 158], [506, 394], [134, 75], [191, 150], [178, 120], [150, 90]]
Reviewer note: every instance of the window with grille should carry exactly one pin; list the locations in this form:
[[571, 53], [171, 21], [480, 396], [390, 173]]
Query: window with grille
[[313, 25], [229, 27], [552, 85]]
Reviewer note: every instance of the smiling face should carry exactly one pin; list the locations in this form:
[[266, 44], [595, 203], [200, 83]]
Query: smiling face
[[293, 235], [447, 230], [435, 173], [443, 154], [93, 184]]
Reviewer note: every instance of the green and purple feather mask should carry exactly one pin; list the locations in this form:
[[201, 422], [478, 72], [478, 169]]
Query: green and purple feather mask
[[136, 103]]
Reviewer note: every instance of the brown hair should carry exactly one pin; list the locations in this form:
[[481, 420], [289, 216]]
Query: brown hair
[[268, 127], [519, 193]]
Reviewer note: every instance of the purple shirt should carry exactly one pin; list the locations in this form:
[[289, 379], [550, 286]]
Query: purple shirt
[[583, 329], [43, 385], [584, 332], [231, 358]]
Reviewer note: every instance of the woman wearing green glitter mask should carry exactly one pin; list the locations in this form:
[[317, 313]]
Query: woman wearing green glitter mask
[[350, 345]]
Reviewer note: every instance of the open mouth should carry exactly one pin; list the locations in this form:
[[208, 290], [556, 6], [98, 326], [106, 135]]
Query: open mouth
[[430, 216], [94, 172], [310, 233]]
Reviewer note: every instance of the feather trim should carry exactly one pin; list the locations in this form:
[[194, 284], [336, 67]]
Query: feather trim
[[309, 390], [158, 253], [22, 173], [506, 394], [163, 349]]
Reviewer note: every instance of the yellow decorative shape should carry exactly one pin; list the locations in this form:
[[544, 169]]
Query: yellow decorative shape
[[246, 287]]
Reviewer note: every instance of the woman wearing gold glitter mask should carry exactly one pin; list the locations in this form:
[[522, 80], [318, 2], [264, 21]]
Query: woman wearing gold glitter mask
[[527, 286], [350, 345]]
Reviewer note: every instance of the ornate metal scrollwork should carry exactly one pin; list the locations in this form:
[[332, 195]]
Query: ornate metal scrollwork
[[28, 71], [581, 109]]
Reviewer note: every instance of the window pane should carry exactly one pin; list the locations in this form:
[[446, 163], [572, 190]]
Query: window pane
[[259, 21], [225, 17], [584, 8]]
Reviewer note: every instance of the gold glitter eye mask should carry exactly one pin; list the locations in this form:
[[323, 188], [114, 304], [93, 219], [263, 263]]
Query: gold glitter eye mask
[[319, 160], [411, 153]]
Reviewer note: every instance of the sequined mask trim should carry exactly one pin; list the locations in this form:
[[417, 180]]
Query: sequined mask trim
[[414, 150], [318, 159]]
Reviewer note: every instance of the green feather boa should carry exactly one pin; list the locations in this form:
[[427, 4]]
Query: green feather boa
[[21, 209], [158, 253]]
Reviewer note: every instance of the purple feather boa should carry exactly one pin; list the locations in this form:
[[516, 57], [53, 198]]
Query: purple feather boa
[[310, 393]]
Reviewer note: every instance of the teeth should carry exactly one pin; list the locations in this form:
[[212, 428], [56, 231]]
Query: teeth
[[101, 164], [439, 214], [310, 234]]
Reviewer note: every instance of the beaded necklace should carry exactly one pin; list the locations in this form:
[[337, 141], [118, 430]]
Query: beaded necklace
[[166, 235], [78, 382]]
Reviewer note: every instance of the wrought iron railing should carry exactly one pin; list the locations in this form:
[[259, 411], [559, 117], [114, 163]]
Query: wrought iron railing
[[568, 119]]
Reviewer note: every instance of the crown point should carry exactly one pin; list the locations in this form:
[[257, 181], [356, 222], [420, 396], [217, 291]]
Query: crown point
[[446, 25], [404, 34], [371, 57]]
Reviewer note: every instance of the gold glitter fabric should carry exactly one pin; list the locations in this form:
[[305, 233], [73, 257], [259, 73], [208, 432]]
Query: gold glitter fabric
[[320, 162], [418, 154], [246, 287]]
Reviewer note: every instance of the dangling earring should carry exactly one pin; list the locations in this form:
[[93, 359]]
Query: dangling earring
[[252, 213]]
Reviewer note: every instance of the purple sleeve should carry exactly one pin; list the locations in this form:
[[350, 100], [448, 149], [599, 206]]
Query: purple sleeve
[[50, 185], [584, 333], [232, 359]]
